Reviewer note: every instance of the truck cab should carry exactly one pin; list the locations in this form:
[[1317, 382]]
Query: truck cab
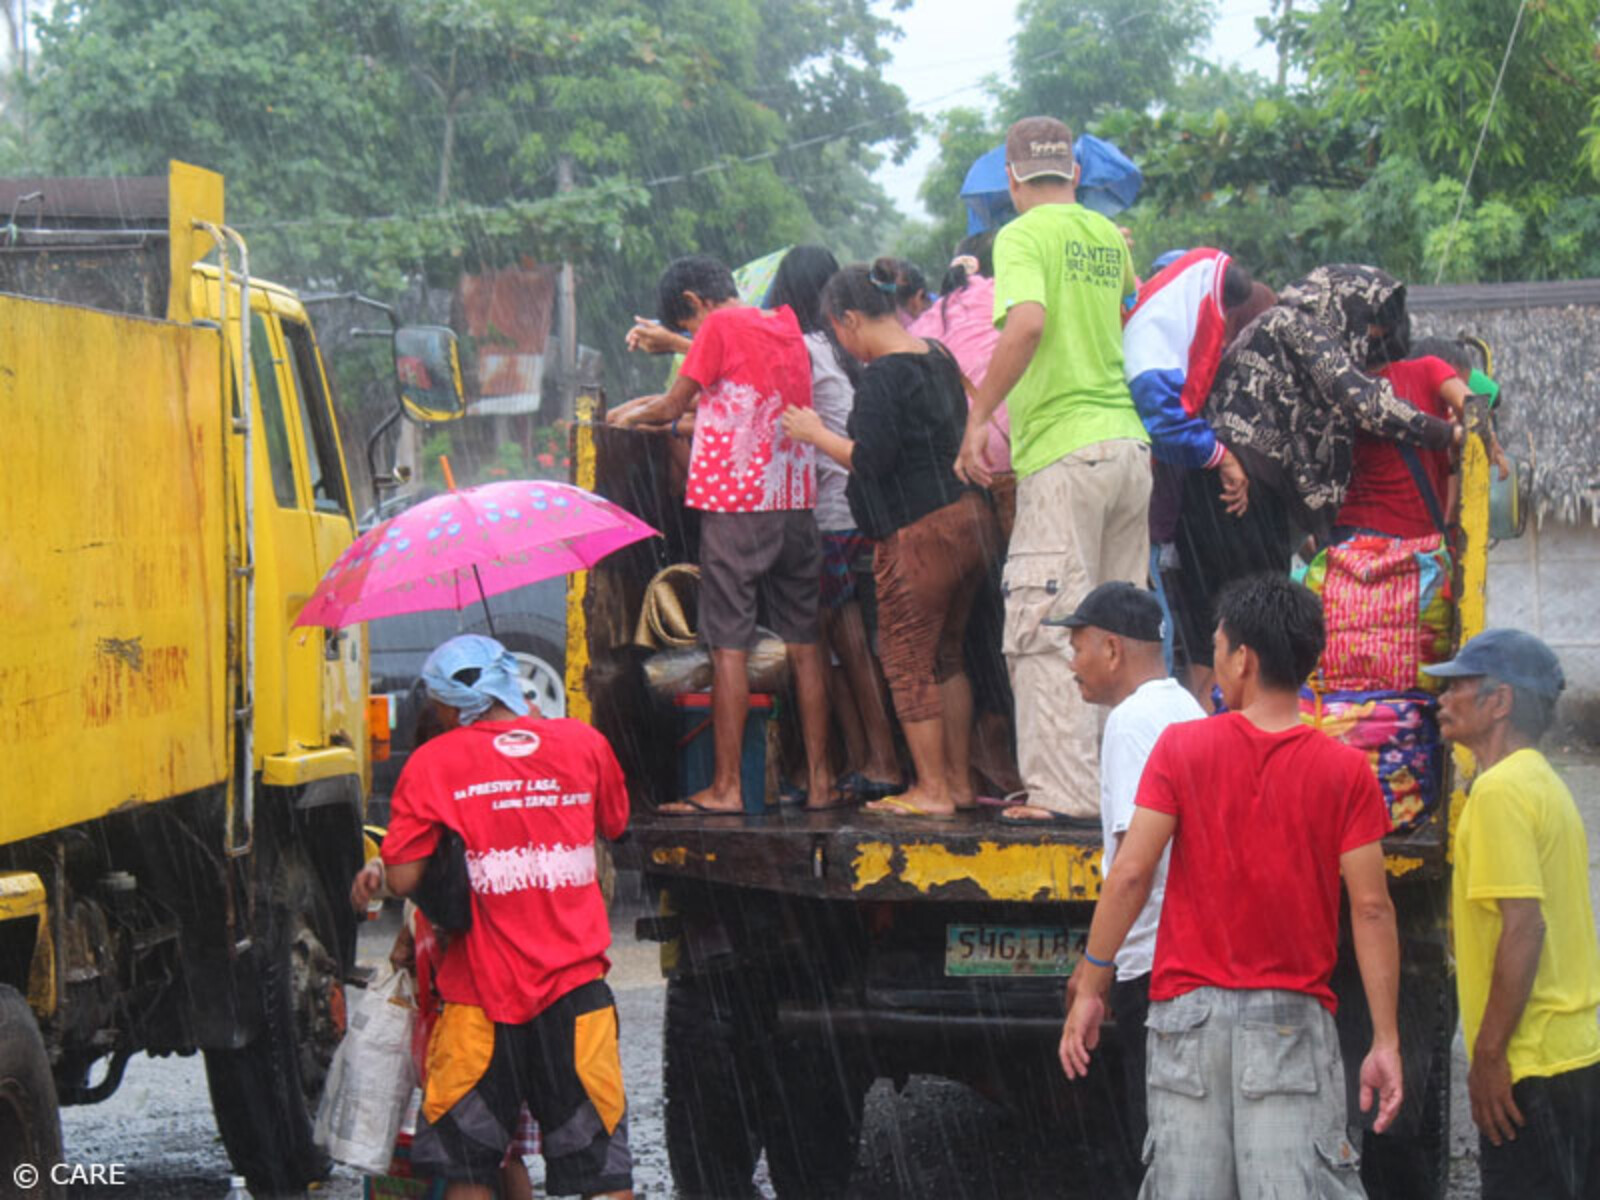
[[183, 772]]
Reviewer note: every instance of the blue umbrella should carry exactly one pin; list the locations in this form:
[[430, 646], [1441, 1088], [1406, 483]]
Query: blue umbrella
[[1108, 182]]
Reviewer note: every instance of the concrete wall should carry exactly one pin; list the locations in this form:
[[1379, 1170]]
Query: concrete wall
[[1548, 582]]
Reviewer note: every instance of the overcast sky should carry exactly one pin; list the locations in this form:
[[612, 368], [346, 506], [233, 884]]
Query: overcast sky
[[947, 51]]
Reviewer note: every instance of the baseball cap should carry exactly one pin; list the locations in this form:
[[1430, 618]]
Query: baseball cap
[[1509, 655], [1040, 146], [1117, 607]]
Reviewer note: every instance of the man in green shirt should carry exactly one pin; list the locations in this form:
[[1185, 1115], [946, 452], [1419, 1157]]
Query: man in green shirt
[[1081, 453]]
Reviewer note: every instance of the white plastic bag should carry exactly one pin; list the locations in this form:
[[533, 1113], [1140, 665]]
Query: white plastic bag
[[371, 1078]]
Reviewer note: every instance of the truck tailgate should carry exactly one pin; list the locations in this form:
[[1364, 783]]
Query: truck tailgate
[[113, 653], [851, 854]]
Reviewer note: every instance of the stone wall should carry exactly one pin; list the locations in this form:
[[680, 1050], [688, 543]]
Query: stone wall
[[1548, 582]]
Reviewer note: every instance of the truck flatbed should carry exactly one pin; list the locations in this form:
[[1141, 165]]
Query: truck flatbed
[[849, 853]]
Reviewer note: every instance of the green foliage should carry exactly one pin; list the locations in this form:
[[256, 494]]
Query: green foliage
[[1363, 162], [1077, 59], [1073, 59], [372, 142], [1424, 72]]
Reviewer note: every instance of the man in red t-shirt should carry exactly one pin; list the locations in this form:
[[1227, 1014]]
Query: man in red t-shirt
[[755, 487], [1264, 816], [528, 1017]]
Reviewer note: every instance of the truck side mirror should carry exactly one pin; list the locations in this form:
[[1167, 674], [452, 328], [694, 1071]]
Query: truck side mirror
[[427, 365]]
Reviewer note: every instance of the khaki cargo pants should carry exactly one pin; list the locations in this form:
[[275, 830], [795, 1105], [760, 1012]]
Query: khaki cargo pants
[[1082, 521], [1247, 1099]]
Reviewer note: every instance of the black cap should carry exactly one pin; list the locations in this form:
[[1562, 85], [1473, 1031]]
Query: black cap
[[1510, 656], [1118, 607]]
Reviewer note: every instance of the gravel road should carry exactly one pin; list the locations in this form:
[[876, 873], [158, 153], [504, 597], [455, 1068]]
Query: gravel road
[[933, 1138]]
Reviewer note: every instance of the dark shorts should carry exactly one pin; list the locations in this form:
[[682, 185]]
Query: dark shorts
[[846, 565], [777, 554], [1556, 1155], [564, 1065]]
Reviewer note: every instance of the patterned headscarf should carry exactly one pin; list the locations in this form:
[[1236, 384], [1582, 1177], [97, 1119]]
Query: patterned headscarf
[[1348, 299], [1294, 389]]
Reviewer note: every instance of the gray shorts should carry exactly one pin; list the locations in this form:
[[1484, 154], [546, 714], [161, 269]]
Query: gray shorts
[[779, 553], [1247, 1099]]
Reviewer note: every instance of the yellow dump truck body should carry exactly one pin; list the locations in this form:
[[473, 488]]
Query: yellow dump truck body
[[123, 542], [112, 565]]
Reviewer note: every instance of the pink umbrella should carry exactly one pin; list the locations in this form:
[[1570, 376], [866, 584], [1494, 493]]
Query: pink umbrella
[[466, 546]]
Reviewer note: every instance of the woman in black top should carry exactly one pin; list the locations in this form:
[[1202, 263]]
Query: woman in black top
[[936, 535]]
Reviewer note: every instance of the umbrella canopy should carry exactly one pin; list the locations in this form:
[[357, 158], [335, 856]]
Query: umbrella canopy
[[754, 279], [462, 547], [1108, 182]]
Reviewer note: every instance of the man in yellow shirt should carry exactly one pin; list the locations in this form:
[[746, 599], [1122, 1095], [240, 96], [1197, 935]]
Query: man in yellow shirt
[[1527, 961]]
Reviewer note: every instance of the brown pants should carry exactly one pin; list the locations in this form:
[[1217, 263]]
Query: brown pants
[[928, 574]]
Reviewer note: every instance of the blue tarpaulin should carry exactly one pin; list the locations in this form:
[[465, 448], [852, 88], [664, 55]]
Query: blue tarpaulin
[[1108, 182]]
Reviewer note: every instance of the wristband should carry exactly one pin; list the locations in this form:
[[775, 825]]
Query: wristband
[[673, 428], [1105, 963]]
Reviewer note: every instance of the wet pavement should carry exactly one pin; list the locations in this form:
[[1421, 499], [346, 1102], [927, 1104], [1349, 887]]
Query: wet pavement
[[933, 1138]]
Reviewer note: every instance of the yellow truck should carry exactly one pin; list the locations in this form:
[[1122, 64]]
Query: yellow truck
[[808, 954], [182, 772]]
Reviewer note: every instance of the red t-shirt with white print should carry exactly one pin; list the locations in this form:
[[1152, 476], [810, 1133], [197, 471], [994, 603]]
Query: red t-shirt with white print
[[527, 797], [751, 364]]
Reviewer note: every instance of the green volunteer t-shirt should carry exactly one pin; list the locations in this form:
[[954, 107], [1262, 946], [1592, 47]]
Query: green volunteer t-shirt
[[1074, 262]]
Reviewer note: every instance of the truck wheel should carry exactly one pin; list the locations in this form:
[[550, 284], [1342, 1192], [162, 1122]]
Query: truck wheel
[[1414, 1163], [30, 1122], [811, 1119], [710, 1110], [265, 1093]]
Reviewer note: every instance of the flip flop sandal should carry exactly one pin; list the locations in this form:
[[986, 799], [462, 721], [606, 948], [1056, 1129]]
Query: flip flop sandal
[[688, 808], [894, 806], [858, 785], [1010, 817]]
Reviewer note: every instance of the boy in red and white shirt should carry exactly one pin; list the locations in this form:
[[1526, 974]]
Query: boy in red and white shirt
[[755, 488]]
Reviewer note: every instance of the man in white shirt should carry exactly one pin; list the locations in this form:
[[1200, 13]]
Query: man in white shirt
[[1117, 661]]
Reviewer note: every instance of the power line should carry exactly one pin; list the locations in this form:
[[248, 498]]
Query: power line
[[1461, 201], [711, 168]]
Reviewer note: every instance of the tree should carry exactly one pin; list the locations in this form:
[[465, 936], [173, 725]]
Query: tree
[[1077, 59], [378, 141], [1368, 160], [1072, 59]]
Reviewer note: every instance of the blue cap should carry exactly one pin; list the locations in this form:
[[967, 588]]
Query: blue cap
[[469, 673], [1510, 656]]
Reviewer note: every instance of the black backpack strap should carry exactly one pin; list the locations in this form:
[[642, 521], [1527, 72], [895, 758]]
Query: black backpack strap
[[1430, 498]]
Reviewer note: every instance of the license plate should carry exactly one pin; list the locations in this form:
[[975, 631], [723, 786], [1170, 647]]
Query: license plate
[[1026, 950]]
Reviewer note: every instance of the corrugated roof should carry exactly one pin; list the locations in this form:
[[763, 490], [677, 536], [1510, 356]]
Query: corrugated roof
[[1477, 296]]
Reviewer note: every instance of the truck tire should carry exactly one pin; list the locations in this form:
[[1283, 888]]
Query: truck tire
[[1417, 1166], [710, 1107], [30, 1121], [810, 1119], [265, 1093]]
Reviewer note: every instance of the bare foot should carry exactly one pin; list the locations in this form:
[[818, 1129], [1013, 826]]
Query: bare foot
[[823, 794]]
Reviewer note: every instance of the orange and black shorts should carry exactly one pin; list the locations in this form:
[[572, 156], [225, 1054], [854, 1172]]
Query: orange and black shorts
[[564, 1064]]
